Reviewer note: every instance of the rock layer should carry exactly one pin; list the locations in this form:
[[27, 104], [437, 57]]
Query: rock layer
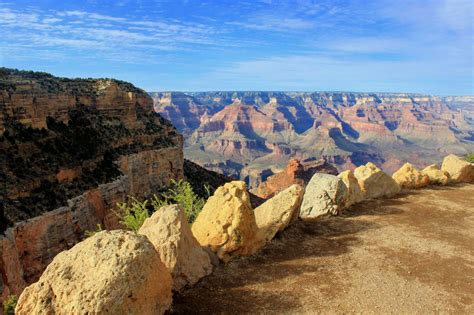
[[114, 272], [168, 230]]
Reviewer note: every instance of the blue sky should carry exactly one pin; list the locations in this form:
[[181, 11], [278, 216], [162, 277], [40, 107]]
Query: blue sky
[[394, 46]]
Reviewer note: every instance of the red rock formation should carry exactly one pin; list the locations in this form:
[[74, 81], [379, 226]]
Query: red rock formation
[[296, 172]]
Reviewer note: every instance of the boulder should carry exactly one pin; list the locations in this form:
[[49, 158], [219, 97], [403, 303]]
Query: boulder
[[277, 213], [325, 195], [461, 171], [374, 182], [227, 224], [436, 175], [111, 272], [409, 177], [168, 230], [354, 192]]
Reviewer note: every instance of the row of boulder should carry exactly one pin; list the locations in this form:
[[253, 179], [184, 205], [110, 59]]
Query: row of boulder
[[115, 272]]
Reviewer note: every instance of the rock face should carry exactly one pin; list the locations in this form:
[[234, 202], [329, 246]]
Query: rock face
[[244, 133], [277, 213], [436, 175], [460, 170], [354, 192], [168, 230], [374, 182], [296, 172], [409, 177], [325, 195], [226, 224], [74, 148], [114, 272]]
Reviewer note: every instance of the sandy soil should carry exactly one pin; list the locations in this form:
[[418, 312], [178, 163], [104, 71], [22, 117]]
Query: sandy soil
[[406, 255]]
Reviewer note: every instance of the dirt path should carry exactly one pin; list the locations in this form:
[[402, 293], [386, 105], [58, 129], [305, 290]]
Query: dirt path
[[410, 254]]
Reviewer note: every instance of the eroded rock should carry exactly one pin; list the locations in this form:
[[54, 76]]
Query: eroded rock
[[461, 171], [436, 175], [277, 213], [168, 230], [325, 195], [374, 182], [354, 192], [227, 224], [409, 177], [112, 272]]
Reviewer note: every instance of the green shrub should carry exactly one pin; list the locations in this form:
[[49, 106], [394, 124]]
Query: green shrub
[[182, 194], [9, 305], [133, 213], [470, 157]]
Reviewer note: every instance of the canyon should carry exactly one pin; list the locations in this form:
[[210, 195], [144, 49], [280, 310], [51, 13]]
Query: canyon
[[253, 135]]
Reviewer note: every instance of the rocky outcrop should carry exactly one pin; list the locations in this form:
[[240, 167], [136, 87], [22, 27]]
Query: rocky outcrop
[[409, 177], [275, 214], [436, 175], [114, 272], [226, 224], [74, 148], [354, 192], [325, 195], [296, 172], [168, 230], [374, 182], [460, 170]]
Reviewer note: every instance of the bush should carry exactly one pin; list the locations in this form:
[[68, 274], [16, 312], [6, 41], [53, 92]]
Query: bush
[[470, 157], [9, 305], [132, 214], [182, 194]]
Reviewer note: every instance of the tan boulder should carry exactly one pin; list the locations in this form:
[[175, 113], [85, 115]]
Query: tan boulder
[[409, 177], [461, 171], [112, 272], [374, 182], [168, 230], [277, 213], [227, 224], [354, 192], [436, 175]]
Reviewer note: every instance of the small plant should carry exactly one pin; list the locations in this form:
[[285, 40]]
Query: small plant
[[181, 193], [132, 214], [470, 157], [9, 305], [88, 233]]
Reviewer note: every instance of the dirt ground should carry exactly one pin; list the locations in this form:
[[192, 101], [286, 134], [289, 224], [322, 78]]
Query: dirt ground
[[410, 254]]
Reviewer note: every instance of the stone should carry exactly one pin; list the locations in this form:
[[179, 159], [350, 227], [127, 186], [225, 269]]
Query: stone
[[374, 182], [277, 213], [354, 192], [325, 195], [227, 224], [111, 272], [461, 171], [168, 230], [411, 178], [436, 175]]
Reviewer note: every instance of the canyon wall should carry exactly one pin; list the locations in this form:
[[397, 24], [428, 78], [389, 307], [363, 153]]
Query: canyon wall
[[71, 149], [252, 135]]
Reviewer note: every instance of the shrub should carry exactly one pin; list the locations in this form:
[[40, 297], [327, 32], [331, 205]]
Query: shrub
[[88, 233], [9, 305], [470, 157], [181, 193], [133, 213]]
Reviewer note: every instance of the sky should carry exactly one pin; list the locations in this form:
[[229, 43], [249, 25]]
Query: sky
[[423, 46]]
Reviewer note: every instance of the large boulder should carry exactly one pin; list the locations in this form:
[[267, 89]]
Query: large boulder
[[354, 192], [168, 230], [227, 224], [325, 195], [436, 175], [112, 272], [374, 182], [461, 171], [277, 213], [409, 177]]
